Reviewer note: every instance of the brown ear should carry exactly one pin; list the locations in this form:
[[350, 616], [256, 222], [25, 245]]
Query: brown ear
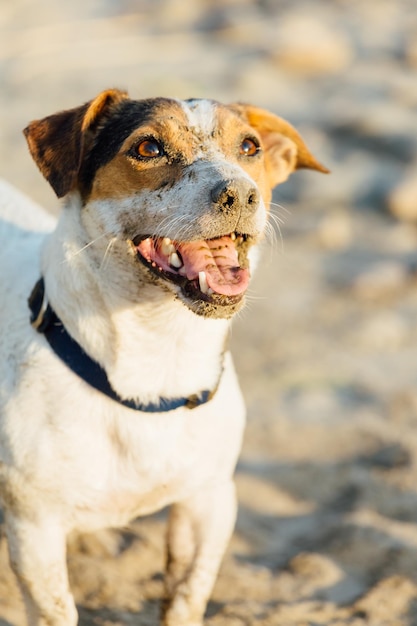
[[57, 143], [285, 151]]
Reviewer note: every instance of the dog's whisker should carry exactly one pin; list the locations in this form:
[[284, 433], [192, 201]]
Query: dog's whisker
[[179, 225], [270, 235], [253, 298], [277, 218], [280, 206], [171, 206], [107, 253], [273, 231], [184, 230], [278, 221], [87, 245], [168, 222], [271, 238]]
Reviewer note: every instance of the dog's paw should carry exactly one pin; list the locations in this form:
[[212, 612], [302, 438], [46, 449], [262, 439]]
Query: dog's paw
[[181, 611]]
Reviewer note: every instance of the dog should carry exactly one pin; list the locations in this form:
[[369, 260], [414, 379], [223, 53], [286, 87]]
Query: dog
[[118, 395]]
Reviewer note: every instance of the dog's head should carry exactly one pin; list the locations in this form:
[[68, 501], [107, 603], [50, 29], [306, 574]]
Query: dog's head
[[183, 186]]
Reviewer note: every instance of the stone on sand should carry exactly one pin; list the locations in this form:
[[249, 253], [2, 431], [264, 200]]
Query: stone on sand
[[402, 201]]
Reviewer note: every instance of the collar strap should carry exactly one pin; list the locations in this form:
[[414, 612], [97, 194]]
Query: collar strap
[[45, 320]]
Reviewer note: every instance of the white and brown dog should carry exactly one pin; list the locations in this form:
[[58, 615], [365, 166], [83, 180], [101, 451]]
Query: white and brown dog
[[117, 393]]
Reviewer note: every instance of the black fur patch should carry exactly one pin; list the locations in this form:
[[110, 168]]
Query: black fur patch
[[130, 115]]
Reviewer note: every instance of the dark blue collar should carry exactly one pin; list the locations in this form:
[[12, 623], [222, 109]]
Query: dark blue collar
[[45, 321]]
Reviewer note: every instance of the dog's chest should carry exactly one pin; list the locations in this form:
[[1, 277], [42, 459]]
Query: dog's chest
[[138, 468], [147, 468]]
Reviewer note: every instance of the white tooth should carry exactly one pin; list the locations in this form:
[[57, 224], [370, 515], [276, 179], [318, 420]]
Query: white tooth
[[166, 246], [202, 279], [175, 260], [210, 291], [233, 236]]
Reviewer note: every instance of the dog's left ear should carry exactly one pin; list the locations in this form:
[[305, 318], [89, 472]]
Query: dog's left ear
[[285, 150], [58, 142]]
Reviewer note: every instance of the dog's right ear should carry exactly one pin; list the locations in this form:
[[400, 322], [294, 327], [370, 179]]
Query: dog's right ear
[[57, 143]]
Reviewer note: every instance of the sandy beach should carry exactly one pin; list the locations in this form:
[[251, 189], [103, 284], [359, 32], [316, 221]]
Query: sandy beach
[[326, 349]]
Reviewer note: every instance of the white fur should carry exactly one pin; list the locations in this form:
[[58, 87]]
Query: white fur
[[201, 115], [148, 349], [70, 458]]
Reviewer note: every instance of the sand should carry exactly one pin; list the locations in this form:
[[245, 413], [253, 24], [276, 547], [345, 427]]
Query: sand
[[327, 347]]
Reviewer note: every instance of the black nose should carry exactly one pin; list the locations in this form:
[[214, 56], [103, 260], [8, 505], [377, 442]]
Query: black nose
[[230, 195]]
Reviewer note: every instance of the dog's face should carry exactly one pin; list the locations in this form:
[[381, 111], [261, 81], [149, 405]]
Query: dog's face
[[182, 186]]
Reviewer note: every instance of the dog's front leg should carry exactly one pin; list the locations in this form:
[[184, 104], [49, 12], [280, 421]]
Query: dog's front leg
[[37, 550], [198, 532]]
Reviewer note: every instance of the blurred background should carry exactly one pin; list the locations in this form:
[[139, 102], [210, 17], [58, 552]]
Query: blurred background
[[327, 347]]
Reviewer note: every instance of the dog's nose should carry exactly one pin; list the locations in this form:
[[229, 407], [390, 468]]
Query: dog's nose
[[230, 195]]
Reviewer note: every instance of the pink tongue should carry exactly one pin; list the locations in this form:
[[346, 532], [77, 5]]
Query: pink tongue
[[219, 260]]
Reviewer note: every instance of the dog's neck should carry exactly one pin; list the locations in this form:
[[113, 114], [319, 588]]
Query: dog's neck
[[150, 348]]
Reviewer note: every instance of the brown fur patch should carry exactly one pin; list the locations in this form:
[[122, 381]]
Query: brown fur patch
[[272, 130], [57, 142], [124, 175]]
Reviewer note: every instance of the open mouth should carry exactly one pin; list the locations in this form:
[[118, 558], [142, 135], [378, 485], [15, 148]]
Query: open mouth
[[212, 270]]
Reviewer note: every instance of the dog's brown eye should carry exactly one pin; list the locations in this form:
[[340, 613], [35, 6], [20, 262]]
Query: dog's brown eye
[[249, 147], [149, 149]]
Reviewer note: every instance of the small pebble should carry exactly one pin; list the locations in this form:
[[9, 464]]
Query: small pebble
[[383, 331], [336, 231], [381, 280], [402, 201], [306, 45]]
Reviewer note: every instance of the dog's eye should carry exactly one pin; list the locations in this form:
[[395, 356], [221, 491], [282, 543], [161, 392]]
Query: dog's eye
[[149, 149], [249, 147]]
